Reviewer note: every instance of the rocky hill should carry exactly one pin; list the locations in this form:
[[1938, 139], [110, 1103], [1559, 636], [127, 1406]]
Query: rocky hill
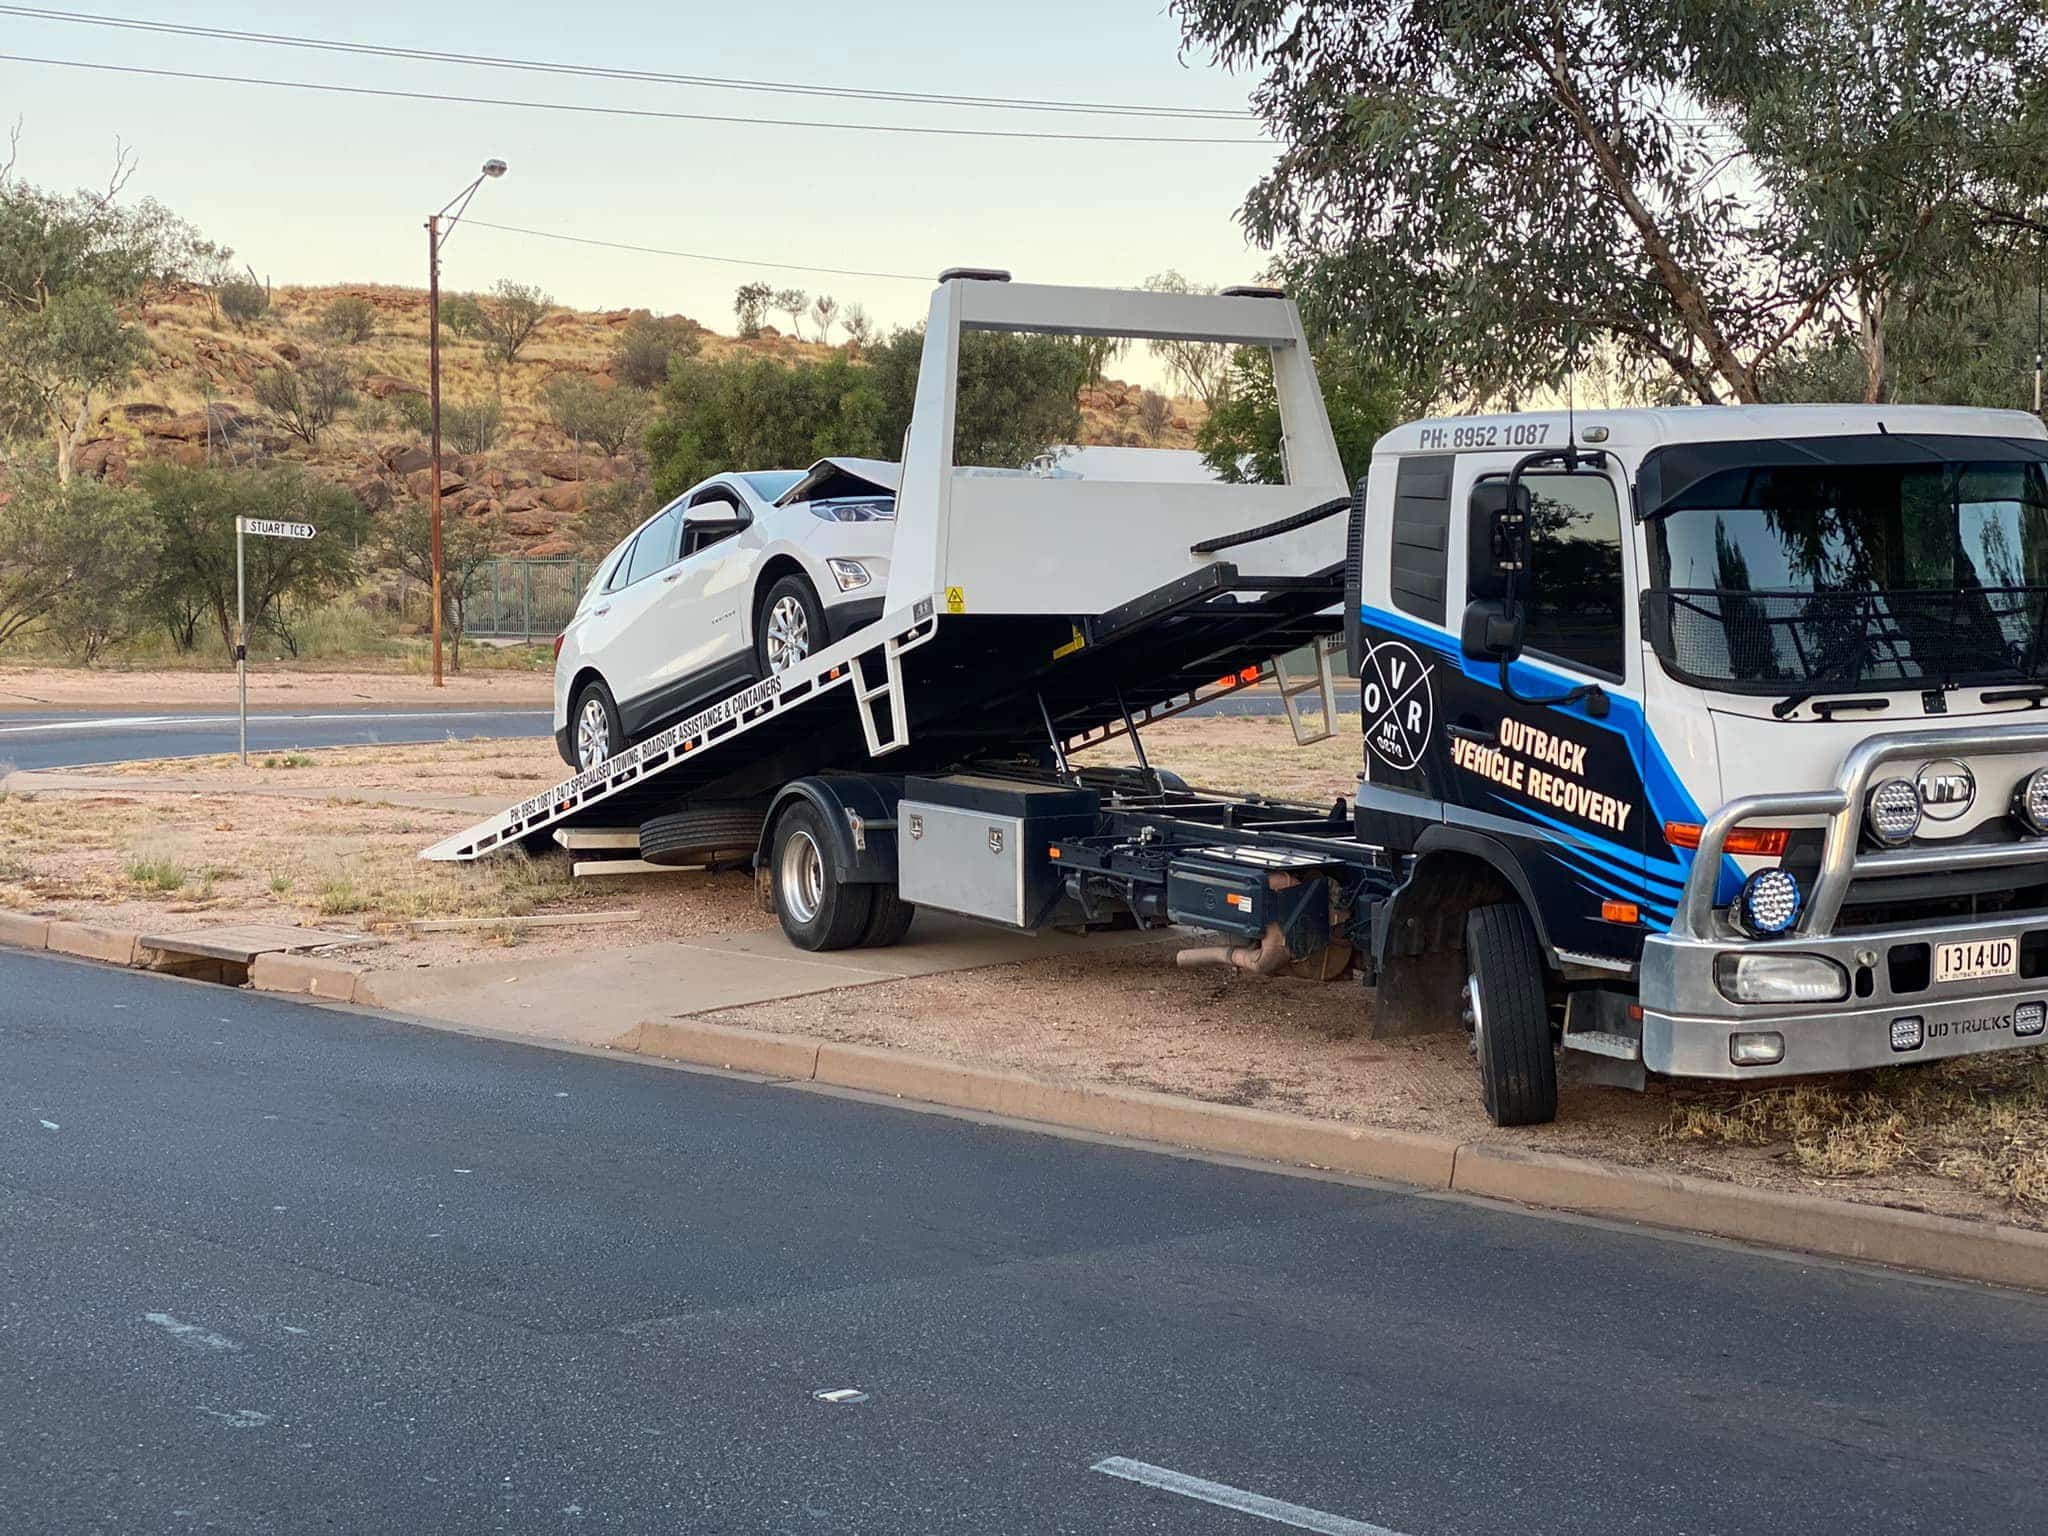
[[194, 404]]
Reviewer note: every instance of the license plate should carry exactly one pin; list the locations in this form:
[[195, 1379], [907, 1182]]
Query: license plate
[[1983, 957]]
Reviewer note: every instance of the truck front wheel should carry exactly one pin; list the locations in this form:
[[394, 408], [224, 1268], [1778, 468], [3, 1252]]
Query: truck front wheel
[[818, 909], [1508, 1011]]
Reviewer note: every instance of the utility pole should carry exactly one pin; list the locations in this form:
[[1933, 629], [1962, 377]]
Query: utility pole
[[435, 235], [434, 391]]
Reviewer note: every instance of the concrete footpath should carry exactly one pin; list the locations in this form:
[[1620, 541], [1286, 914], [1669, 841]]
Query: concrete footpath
[[575, 1003]]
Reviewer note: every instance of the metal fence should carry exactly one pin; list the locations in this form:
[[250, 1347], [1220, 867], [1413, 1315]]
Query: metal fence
[[523, 599]]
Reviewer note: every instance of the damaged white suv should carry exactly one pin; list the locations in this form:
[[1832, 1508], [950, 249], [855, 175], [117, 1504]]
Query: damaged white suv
[[734, 580]]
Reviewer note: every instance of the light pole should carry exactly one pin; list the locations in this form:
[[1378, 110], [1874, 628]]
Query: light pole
[[437, 232]]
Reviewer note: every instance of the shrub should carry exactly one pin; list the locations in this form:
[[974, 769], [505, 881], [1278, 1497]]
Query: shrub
[[513, 315], [645, 346], [305, 400], [467, 426], [607, 419], [349, 318], [462, 315], [243, 303]]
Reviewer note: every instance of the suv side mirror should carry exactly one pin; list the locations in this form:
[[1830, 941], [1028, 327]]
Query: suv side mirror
[[721, 515], [1496, 544]]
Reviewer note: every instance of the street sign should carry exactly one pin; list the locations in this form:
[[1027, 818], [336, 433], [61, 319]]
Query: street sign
[[270, 528]]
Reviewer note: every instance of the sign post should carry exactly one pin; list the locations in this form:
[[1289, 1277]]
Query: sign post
[[268, 528]]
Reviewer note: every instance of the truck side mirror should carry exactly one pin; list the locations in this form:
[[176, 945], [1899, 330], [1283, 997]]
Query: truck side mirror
[[1497, 538], [1496, 544]]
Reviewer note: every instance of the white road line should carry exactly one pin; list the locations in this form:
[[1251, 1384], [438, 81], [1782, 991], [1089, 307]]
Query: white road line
[[189, 1333], [136, 722], [1223, 1495]]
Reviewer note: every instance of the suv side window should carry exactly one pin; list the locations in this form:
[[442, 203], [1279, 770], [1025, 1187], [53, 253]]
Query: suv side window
[[655, 549], [1577, 601], [695, 539]]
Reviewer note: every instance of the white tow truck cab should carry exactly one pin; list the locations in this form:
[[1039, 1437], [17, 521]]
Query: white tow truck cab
[[1706, 742]]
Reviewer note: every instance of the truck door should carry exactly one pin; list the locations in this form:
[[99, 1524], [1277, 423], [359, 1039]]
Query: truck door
[[1557, 788]]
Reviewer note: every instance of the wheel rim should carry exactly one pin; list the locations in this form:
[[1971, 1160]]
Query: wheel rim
[[801, 882], [1473, 1009], [593, 734], [789, 634]]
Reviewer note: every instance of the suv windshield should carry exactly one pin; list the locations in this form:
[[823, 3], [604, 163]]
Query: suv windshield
[[1855, 575]]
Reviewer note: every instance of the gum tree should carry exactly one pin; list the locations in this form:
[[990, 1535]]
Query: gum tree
[[1502, 190]]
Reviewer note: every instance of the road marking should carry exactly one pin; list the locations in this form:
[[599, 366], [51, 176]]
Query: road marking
[[134, 722], [841, 1395], [51, 1125], [241, 1418], [1223, 1495], [188, 1333]]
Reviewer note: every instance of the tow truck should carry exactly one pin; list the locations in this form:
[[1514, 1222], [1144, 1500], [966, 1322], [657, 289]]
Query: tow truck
[[1706, 742]]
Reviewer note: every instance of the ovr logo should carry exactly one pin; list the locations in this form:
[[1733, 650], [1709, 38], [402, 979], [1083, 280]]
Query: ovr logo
[[1399, 708]]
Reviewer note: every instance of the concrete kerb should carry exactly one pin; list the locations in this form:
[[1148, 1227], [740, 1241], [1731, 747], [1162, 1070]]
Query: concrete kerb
[[304, 975], [1800, 1223]]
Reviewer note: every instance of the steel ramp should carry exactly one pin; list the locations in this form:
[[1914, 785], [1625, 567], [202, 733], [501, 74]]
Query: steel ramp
[[921, 691]]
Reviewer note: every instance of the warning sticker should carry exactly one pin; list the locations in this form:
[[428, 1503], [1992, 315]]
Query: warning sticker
[[956, 599]]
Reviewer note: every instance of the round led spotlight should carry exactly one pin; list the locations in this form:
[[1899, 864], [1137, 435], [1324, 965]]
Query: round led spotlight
[[1769, 902], [2030, 802], [1893, 812]]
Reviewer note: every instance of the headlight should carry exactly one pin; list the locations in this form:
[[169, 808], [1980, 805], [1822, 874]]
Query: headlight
[[848, 573], [1893, 812], [853, 511], [1765, 978], [2030, 802], [1769, 903]]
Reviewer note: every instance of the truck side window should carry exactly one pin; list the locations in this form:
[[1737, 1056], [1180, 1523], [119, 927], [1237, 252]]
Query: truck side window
[[1577, 602]]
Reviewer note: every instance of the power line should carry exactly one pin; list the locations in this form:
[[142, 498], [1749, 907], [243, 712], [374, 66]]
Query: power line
[[639, 112], [600, 72], [732, 261]]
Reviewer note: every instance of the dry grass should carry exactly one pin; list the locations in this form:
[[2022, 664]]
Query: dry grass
[[1981, 1122]]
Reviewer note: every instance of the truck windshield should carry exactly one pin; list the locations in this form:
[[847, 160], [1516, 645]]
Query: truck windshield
[[1844, 576]]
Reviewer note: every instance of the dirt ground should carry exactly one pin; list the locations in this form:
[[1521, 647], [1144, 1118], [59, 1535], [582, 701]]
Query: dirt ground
[[316, 839], [270, 687]]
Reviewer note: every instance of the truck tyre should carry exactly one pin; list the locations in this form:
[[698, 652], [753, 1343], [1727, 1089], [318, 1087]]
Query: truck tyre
[[704, 832], [594, 730], [788, 626], [1507, 1009], [889, 921], [818, 909]]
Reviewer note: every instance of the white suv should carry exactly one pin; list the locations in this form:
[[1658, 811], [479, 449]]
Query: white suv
[[734, 580]]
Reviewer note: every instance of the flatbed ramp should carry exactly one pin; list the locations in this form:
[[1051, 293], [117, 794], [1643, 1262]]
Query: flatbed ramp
[[933, 691]]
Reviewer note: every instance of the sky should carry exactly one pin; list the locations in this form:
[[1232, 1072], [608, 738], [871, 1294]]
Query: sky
[[317, 189]]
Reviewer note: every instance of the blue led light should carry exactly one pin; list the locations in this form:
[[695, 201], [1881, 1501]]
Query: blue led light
[[1770, 902]]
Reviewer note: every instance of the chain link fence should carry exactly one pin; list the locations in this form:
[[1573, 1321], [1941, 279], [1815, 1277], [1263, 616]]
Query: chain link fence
[[523, 599]]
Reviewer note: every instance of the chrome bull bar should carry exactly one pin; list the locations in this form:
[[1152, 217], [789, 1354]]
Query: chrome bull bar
[[1840, 863]]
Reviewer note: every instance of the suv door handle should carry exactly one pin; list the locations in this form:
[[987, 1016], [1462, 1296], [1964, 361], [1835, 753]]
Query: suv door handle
[[671, 576], [601, 612]]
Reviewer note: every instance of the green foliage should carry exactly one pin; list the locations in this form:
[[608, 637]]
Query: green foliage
[[467, 426], [1019, 395], [195, 510], [612, 511], [157, 874], [407, 543], [609, 420], [304, 401], [462, 315], [244, 303], [750, 303], [793, 302], [645, 346], [351, 318], [1240, 439], [512, 316], [54, 358], [1097, 353], [73, 557], [1695, 185], [1196, 368]]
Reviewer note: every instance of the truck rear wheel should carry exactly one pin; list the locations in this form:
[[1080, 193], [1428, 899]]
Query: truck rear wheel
[[889, 921], [818, 909], [1507, 1009]]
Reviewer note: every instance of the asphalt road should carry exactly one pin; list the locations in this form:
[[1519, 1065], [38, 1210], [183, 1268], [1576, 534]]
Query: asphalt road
[[72, 740], [265, 1267]]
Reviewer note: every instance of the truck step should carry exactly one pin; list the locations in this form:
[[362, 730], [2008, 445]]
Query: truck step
[[1600, 1042]]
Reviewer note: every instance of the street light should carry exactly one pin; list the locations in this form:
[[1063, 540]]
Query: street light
[[492, 170]]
